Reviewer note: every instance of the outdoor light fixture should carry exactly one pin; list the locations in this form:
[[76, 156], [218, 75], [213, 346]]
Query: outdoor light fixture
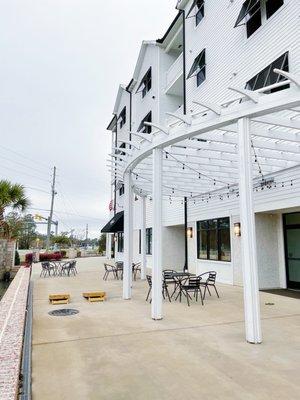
[[189, 233], [237, 229]]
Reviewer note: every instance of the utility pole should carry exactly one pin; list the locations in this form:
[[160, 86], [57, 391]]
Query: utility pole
[[53, 193], [86, 235]]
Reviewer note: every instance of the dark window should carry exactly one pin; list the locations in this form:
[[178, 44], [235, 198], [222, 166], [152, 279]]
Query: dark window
[[145, 128], [213, 239], [268, 77], [122, 117], [272, 6], [146, 83], [122, 146], [199, 6], [121, 190], [200, 11], [198, 68], [120, 242], [148, 241], [251, 14]]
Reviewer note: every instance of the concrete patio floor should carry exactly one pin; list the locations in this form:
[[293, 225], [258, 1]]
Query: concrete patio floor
[[115, 351]]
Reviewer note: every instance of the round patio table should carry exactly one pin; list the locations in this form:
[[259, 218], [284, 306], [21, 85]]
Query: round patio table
[[180, 278]]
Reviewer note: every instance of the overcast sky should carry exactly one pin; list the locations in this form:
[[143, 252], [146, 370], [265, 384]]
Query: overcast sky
[[61, 64]]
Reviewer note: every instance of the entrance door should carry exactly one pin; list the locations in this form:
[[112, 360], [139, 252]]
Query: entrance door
[[292, 249]]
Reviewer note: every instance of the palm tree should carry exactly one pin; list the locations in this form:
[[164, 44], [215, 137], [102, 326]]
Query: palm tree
[[13, 196]]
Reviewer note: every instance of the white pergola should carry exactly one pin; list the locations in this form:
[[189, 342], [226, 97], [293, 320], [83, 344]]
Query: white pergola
[[220, 149]]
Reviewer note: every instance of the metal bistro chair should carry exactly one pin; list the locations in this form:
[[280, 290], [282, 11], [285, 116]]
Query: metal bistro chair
[[165, 291], [209, 281], [193, 286], [46, 269], [136, 267], [119, 269], [168, 276], [109, 269]]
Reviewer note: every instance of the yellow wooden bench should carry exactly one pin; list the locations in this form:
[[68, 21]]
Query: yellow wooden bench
[[59, 298], [94, 296]]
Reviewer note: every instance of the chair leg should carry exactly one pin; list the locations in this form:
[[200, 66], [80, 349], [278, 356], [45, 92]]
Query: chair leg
[[202, 298], [148, 294], [208, 290], [187, 298], [216, 291], [168, 294]]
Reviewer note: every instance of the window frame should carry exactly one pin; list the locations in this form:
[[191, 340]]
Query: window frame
[[198, 68], [122, 117], [217, 230], [269, 70], [146, 83], [149, 241], [120, 237], [145, 128]]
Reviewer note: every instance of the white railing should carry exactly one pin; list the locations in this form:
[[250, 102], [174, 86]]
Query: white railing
[[175, 71]]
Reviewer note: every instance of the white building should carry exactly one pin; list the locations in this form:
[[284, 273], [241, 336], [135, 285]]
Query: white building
[[229, 151]]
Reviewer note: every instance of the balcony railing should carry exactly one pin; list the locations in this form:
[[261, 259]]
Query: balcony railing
[[174, 72]]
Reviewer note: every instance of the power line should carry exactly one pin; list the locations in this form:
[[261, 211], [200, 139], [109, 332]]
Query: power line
[[23, 165], [24, 173], [24, 156]]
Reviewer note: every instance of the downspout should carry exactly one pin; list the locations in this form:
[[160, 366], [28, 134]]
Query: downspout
[[186, 253], [115, 189]]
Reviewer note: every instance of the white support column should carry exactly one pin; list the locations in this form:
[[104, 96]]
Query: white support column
[[157, 236], [143, 238], [249, 254], [108, 246], [128, 236]]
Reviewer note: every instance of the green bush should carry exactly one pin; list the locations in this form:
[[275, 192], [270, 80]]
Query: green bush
[[17, 258]]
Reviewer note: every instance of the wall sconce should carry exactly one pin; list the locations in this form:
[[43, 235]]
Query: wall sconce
[[189, 233], [237, 229], [115, 238]]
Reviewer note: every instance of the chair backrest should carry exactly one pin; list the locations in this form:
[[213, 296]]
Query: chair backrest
[[212, 275], [45, 264], [194, 281], [149, 280], [119, 264], [168, 273]]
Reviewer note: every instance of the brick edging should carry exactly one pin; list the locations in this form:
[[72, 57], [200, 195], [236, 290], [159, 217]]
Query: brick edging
[[12, 319]]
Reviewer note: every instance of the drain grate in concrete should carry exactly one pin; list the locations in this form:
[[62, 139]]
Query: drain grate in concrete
[[63, 312]]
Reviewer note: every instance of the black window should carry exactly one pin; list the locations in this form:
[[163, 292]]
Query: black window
[[120, 242], [145, 128], [268, 77], [121, 190], [146, 83], [200, 11], [148, 241], [122, 117], [198, 68], [122, 146], [251, 14], [272, 6], [199, 6], [213, 239]]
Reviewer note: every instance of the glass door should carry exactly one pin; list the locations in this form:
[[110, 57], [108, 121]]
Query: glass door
[[292, 249]]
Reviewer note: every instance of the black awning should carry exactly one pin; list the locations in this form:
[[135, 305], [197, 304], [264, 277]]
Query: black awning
[[116, 224], [247, 7]]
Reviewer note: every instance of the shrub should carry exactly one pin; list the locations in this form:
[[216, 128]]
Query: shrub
[[63, 253], [51, 256], [17, 258], [29, 258]]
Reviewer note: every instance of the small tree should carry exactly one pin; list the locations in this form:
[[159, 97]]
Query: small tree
[[102, 243], [61, 240], [11, 195]]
